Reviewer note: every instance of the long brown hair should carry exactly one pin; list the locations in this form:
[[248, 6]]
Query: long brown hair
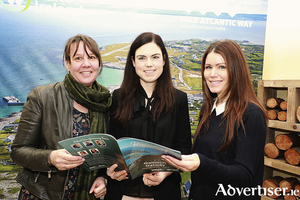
[[239, 91], [164, 90]]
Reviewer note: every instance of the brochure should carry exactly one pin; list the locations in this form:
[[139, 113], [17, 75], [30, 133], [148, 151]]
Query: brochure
[[136, 156]]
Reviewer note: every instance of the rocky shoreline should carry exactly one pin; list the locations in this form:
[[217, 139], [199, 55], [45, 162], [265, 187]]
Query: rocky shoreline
[[114, 65], [8, 184], [7, 180], [10, 119]]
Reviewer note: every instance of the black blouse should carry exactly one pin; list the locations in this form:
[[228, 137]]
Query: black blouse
[[171, 130]]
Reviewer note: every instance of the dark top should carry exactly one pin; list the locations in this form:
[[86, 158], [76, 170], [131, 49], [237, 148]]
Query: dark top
[[81, 125], [46, 119], [171, 130], [240, 166]]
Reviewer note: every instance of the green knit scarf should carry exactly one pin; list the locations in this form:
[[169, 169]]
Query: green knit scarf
[[98, 100]]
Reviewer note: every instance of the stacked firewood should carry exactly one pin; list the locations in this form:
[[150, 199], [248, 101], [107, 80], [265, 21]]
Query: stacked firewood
[[277, 109], [278, 186], [286, 145]]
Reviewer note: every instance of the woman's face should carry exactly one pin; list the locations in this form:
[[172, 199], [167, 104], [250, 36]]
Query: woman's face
[[215, 73], [84, 68], [148, 63]]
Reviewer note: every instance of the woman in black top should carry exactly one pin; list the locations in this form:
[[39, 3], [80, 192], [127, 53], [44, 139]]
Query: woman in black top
[[228, 159], [148, 107]]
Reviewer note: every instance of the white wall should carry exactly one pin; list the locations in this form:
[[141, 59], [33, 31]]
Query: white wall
[[282, 42]]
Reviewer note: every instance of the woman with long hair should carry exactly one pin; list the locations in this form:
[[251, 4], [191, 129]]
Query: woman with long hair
[[228, 147], [148, 107]]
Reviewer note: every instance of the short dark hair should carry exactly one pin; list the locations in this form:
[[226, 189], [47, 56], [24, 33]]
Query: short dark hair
[[87, 42]]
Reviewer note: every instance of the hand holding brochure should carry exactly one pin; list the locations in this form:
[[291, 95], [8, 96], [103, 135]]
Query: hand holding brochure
[[133, 155]]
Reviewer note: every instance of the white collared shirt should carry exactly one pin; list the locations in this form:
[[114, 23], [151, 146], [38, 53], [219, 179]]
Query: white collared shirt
[[220, 109]]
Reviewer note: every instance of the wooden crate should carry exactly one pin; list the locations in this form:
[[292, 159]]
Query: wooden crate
[[273, 88]]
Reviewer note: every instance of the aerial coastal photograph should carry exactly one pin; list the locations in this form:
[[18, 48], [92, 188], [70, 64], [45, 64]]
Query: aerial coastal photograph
[[33, 39]]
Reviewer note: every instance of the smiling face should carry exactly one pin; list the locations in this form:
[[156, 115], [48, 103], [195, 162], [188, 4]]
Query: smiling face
[[148, 63], [215, 73], [83, 67]]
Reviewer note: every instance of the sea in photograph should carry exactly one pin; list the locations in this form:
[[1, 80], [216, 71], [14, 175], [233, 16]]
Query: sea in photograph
[[32, 42]]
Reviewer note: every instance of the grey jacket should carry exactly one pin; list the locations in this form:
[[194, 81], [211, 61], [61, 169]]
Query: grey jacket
[[46, 119]]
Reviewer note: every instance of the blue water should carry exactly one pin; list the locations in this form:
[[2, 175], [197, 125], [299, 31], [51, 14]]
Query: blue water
[[32, 42]]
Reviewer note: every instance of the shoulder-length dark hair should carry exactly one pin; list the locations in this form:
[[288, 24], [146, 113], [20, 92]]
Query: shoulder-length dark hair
[[164, 90], [238, 93], [87, 42]]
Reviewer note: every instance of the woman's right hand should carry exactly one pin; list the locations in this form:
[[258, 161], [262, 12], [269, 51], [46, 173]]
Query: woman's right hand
[[120, 175], [62, 160]]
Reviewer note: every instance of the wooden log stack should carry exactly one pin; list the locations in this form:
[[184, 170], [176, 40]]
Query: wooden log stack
[[277, 109], [274, 102], [286, 141], [272, 183], [292, 156], [291, 197], [272, 151], [285, 145], [290, 185]]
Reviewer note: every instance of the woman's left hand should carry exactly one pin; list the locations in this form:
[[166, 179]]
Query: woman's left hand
[[188, 163], [98, 187], [120, 175], [154, 179]]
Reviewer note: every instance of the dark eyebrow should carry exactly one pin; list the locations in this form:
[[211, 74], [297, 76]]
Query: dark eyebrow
[[79, 54], [156, 54], [151, 55], [216, 64]]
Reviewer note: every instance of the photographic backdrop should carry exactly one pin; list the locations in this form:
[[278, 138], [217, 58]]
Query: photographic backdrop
[[33, 34]]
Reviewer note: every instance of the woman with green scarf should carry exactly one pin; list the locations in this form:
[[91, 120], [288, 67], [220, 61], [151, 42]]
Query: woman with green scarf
[[57, 111]]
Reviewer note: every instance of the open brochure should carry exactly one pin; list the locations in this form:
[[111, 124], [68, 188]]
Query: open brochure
[[133, 155]]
